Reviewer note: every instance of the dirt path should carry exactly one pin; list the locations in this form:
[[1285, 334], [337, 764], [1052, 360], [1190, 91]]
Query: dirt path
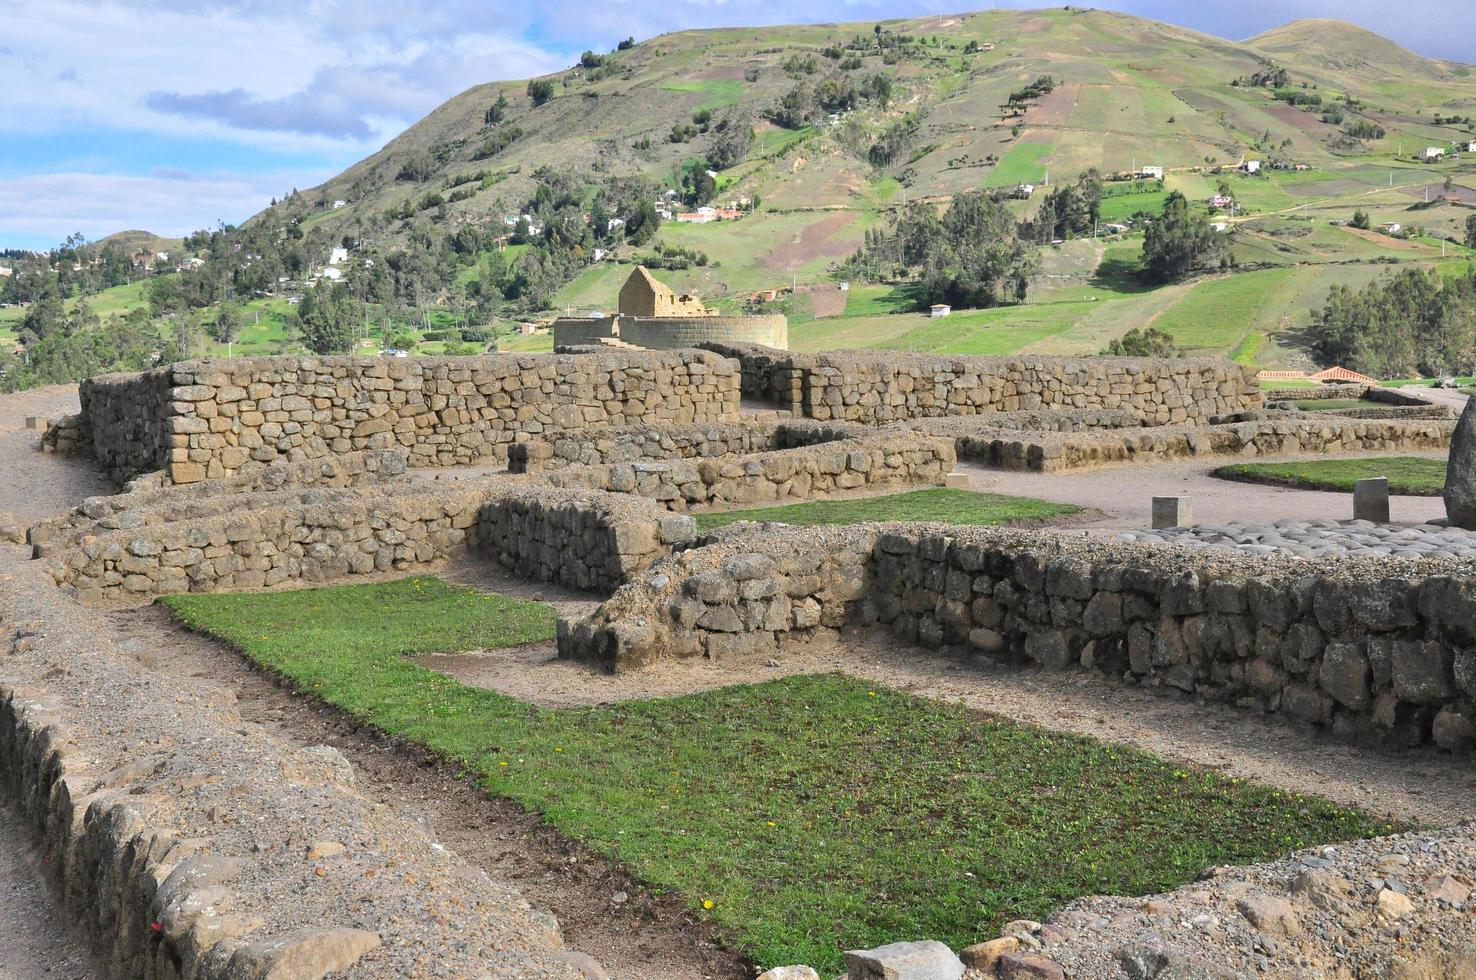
[[601, 910]]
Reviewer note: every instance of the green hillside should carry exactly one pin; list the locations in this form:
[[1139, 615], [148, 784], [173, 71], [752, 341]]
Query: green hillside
[[1126, 93]]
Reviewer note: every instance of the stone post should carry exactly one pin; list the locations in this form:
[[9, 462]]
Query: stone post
[[1172, 512], [1371, 500]]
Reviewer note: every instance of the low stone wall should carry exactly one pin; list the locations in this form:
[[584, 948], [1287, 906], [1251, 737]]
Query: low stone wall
[[880, 387], [1048, 452], [591, 542], [67, 436], [581, 539], [209, 419], [1421, 411], [629, 445], [1378, 651], [188, 842], [773, 477], [673, 332]]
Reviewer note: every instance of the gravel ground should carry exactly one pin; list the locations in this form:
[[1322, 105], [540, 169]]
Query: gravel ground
[[35, 940]]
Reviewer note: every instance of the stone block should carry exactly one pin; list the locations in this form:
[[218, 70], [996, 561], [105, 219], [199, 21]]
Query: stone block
[[1371, 500], [924, 960], [1172, 512], [956, 481]]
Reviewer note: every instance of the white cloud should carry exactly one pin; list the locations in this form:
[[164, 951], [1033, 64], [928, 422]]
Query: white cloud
[[39, 210]]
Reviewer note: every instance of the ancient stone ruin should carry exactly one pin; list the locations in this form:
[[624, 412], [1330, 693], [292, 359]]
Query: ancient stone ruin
[[168, 820], [652, 315]]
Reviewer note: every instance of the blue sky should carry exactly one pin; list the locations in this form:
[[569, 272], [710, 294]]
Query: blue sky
[[175, 115]]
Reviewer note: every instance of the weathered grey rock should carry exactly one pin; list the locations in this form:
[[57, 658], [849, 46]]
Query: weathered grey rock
[[1460, 472], [1371, 500], [789, 973], [926, 959]]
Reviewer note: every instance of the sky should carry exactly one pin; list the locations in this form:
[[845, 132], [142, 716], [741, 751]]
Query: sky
[[178, 115]]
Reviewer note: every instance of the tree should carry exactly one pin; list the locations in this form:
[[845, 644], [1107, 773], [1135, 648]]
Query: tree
[[1150, 342], [1360, 220], [497, 111], [1178, 242], [540, 90], [226, 327], [329, 318], [1471, 231]]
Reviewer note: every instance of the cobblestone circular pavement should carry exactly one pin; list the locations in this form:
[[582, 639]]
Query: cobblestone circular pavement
[[1321, 538]]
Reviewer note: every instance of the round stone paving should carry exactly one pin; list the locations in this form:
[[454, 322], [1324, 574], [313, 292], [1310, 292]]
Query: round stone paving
[[1321, 539]]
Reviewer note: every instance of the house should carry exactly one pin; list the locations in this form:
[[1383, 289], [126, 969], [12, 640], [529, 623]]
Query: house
[[614, 223], [1114, 228], [1220, 226], [1391, 227], [1470, 146], [339, 203], [1432, 153], [337, 256], [600, 254], [1251, 166], [331, 273], [1024, 191], [643, 295], [939, 309], [527, 329], [1221, 201], [1155, 173]]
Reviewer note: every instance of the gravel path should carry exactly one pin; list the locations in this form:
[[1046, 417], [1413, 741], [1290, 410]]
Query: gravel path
[[1124, 492], [36, 938]]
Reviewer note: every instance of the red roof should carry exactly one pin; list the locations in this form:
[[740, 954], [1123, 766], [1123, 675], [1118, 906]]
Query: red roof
[[1336, 373]]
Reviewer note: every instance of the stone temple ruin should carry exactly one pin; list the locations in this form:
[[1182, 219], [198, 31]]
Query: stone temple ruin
[[583, 470], [652, 315]]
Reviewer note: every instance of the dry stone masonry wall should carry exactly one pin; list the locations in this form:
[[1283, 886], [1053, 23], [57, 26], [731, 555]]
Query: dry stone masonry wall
[[209, 419], [773, 477], [1379, 652]]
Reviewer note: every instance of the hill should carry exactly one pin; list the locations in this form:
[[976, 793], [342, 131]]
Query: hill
[[827, 131]]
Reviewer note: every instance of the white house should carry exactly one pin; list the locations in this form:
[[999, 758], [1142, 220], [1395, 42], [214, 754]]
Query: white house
[[1156, 173], [1221, 226], [1432, 153], [939, 309], [332, 273], [337, 256], [339, 203], [1471, 146], [1024, 191], [1251, 166]]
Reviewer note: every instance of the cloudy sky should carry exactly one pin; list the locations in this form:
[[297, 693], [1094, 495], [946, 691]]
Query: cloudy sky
[[177, 114]]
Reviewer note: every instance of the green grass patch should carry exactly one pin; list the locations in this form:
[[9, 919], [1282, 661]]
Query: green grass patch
[[1023, 163], [1414, 476], [716, 92], [940, 504], [803, 816]]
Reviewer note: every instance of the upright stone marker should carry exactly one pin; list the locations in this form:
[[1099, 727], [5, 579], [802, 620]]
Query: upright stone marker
[[1460, 472], [1172, 512], [1371, 500]]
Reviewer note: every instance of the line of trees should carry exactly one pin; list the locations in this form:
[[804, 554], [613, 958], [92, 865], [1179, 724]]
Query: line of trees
[[1415, 322]]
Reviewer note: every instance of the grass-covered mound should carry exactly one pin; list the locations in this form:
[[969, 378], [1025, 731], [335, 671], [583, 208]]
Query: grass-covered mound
[[1414, 476], [940, 504], [806, 815]]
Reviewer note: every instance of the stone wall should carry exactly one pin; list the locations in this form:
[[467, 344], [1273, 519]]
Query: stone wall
[[672, 332], [124, 421], [581, 539], [775, 477], [880, 387], [209, 419], [1049, 452], [591, 542], [1379, 651]]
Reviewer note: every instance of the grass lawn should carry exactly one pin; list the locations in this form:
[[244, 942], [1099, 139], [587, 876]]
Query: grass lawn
[[804, 816], [1334, 404], [938, 504], [1410, 475]]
